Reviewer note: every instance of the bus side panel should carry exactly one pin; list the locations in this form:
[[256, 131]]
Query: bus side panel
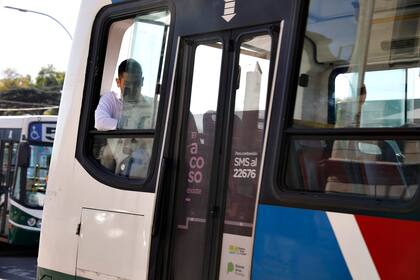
[[307, 244], [58, 241], [394, 246], [296, 244]]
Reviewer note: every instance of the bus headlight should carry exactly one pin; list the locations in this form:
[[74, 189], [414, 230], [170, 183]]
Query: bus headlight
[[38, 223], [31, 222]]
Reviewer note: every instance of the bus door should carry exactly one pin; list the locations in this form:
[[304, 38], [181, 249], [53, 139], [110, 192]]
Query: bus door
[[7, 158], [224, 87]]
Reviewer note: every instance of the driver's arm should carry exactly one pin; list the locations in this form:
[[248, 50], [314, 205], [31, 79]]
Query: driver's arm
[[103, 113]]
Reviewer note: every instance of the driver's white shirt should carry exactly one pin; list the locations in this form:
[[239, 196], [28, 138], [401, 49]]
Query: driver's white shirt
[[108, 111]]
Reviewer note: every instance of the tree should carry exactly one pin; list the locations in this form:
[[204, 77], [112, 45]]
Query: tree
[[13, 80], [49, 78], [18, 93]]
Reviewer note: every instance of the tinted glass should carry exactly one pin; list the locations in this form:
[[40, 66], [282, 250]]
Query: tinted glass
[[380, 169], [245, 157], [130, 94], [360, 68], [126, 157], [248, 123], [30, 189], [360, 65], [136, 91], [196, 163]]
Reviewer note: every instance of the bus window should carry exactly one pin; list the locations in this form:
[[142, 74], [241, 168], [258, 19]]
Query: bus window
[[359, 70], [31, 181], [127, 157], [126, 112], [389, 99], [361, 46]]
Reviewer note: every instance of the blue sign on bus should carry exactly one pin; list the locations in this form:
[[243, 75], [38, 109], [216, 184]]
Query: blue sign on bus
[[41, 132]]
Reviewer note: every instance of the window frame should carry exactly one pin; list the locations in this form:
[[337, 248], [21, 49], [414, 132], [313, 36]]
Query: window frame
[[275, 191], [93, 80]]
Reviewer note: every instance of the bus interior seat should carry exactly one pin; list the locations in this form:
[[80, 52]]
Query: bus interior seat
[[310, 156], [382, 175]]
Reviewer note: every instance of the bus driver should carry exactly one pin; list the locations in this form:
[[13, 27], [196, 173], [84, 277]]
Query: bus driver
[[109, 111], [129, 110]]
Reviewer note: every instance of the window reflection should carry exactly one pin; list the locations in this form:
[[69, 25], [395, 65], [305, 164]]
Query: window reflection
[[392, 102], [126, 157], [360, 69], [196, 164], [371, 168], [248, 123], [130, 94], [31, 182], [352, 47]]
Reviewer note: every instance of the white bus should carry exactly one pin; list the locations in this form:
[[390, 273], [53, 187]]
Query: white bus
[[273, 139], [25, 154]]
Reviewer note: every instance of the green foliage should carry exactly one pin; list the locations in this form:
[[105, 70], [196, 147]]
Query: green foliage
[[49, 78], [51, 112], [19, 95], [13, 80]]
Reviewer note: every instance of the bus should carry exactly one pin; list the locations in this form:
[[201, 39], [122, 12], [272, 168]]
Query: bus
[[25, 154], [261, 140]]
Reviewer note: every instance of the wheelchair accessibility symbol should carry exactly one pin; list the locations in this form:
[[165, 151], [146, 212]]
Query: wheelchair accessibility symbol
[[41, 132], [35, 134]]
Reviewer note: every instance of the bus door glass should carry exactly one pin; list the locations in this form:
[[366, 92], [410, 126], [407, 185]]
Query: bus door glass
[[221, 156], [196, 163], [7, 157], [8, 152], [37, 175], [31, 180], [245, 157]]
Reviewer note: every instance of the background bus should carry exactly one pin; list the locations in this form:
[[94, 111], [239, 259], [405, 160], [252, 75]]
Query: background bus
[[25, 154], [281, 141]]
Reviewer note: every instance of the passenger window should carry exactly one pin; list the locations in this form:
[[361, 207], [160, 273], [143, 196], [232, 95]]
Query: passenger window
[[127, 108], [360, 69], [387, 99], [377, 169]]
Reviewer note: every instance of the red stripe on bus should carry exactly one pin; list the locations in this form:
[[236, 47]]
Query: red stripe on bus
[[394, 246]]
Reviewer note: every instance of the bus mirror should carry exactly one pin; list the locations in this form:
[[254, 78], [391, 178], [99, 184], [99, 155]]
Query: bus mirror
[[23, 155]]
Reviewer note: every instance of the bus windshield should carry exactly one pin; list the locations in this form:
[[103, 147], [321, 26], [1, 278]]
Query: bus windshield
[[30, 189]]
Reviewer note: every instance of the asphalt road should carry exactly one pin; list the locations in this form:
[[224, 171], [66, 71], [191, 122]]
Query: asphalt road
[[17, 263]]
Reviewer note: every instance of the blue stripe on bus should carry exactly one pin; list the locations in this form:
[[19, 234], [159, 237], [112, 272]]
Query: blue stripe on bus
[[296, 244]]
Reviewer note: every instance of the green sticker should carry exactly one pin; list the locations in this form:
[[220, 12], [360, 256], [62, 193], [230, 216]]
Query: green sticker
[[230, 267]]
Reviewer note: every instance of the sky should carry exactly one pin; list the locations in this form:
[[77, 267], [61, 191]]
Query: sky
[[30, 41]]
